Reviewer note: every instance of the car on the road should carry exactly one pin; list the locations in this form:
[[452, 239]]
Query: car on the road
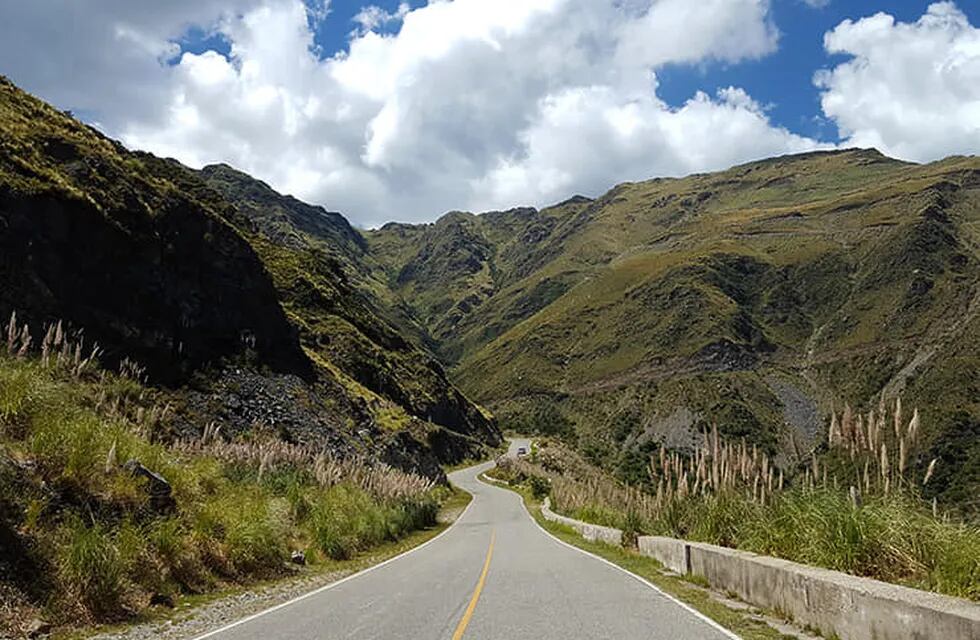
[[522, 451]]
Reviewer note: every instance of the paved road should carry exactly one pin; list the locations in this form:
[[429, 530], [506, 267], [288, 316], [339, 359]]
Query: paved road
[[529, 586]]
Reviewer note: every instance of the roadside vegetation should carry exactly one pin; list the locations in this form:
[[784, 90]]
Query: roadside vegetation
[[103, 511], [855, 508], [745, 623]]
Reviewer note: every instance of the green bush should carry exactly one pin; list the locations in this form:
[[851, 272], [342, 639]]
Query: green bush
[[411, 516], [17, 390], [632, 528], [91, 567], [255, 531], [539, 485], [345, 520]]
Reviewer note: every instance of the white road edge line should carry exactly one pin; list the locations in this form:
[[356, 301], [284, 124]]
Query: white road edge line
[[327, 587], [640, 579]]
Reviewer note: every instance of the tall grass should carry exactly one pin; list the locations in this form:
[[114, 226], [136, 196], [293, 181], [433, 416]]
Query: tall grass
[[90, 565], [66, 427], [889, 534]]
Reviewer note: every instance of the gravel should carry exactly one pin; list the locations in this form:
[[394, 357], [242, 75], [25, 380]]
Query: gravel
[[191, 621]]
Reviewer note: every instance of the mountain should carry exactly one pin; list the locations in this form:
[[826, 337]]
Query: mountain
[[759, 298], [345, 316], [248, 306]]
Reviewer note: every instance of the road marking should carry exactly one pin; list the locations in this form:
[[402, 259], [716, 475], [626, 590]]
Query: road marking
[[461, 627], [689, 608], [237, 623]]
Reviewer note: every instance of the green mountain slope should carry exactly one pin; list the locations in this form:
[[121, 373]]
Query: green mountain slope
[[320, 266], [756, 297], [238, 300]]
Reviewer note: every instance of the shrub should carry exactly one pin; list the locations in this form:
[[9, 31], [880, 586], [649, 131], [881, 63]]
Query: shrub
[[598, 514], [255, 531], [540, 487], [344, 520], [91, 567], [17, 391], [632, 528]]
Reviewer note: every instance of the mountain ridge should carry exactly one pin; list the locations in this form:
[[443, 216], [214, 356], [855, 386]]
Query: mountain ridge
[[759, 297], [727, 296], [220, 294]]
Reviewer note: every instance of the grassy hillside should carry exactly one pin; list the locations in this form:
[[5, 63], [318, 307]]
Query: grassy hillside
[[755, 297], [87, 538], [240, 298], [729, 494], [345, 316], [198, 376]]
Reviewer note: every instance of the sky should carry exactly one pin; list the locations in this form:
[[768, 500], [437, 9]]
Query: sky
[[405, 110]]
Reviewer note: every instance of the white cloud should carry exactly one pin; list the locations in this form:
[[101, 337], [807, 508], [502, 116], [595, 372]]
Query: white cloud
[[685, 31], [104, 57], [472, 103], [372, 17], [587, 139], [911, 90]]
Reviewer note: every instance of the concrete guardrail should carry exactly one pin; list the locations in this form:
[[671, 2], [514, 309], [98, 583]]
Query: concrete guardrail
[[591, 532], [833, 602], [670, 552]]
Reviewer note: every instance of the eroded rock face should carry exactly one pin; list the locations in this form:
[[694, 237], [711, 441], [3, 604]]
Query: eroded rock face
[[325, 277], [173, 289], [192, 279], [127, 247]]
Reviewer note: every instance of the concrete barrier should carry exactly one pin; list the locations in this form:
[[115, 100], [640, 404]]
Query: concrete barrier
[[670, 552], [486, 478], [591, 532], [854, 608], [832, 602]]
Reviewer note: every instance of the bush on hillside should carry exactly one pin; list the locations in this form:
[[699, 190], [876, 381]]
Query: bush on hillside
[[103, 546]]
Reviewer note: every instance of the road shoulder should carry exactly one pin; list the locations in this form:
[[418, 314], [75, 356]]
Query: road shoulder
[[195, 616]]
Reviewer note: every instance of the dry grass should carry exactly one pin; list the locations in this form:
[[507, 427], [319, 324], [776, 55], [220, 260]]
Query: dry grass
[[733, 495], [272, 456], [93, 544]]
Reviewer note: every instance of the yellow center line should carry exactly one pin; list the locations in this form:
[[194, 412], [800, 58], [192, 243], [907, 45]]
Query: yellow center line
[[476, 594]]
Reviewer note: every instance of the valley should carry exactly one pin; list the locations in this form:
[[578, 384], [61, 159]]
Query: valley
[[302, 385], [758, 299]]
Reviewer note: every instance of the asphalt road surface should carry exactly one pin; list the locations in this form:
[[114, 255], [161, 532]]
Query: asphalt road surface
[[493, 574]]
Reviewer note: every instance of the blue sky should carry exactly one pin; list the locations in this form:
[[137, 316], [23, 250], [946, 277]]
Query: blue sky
[[490, 104], [331, 34], [782, 81]]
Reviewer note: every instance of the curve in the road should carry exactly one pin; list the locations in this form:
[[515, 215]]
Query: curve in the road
[[493, 574]]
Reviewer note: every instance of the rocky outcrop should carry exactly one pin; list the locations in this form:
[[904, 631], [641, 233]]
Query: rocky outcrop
[[173, 289], [189, 274]]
